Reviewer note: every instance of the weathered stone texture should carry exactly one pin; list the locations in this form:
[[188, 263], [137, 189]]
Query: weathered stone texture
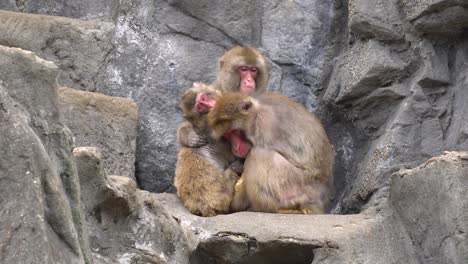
[[108, 123], [367, 66], [126, 225], [431, 201], [375, 19], [77, 47], [41, 215]]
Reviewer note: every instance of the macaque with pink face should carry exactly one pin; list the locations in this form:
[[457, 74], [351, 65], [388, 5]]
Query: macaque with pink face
[[205, 176], [241, 69]]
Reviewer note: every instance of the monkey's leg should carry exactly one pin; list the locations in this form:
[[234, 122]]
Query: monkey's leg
[[314, 210]]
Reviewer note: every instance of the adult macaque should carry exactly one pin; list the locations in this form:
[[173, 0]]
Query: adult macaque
[[289, 168], [205, 176], [241, 69]]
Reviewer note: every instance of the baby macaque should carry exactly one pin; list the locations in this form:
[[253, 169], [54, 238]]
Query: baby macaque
[[206, 175]]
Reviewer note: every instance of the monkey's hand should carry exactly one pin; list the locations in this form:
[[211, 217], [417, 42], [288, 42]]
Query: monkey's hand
[[239, 185], [187, 137], [237, 167]]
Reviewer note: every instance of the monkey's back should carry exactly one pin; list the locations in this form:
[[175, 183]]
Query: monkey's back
[[298, 135], [201, 183]]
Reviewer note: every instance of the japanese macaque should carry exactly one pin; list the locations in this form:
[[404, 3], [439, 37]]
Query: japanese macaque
[[289, 167], [241, 69], [206, 176]]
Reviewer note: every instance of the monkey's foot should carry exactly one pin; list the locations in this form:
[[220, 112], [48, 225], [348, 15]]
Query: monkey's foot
[[313, 210]]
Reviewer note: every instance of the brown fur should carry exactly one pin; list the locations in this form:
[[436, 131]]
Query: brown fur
[[228, 80], [204, 178], [228, 76], [289, 168]]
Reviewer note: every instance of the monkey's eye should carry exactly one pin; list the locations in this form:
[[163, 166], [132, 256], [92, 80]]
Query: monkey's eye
[[244, 69], [253, 69]]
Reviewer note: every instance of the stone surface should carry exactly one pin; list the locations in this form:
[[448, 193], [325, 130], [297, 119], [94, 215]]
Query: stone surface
[[417, 8], [431, 201], [41, 214], [436, 68], [450, 21], [126, 225], [108, 123], [367, 66], [375, 19], [77, 47], [83, 9], [268, 238]]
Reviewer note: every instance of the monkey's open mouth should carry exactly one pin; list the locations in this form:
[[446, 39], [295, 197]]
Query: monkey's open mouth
[[239, 144]]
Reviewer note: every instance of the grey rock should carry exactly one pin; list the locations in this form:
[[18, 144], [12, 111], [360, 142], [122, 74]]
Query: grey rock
[[8, 5], [126, 225], [375, 19], [77, 47], [84, 9], [363, 68], [108, 123], [436, 68], [414, 9], [42, 219], [249, 237], [455, 101], [431, 202], [239, 21], [159, 63], [450, 21]]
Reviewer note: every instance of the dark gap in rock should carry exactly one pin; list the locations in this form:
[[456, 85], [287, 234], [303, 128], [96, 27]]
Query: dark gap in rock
[[227, 249]]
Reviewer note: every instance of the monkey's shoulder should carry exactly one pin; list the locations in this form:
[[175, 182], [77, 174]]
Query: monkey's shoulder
[[213, 156]]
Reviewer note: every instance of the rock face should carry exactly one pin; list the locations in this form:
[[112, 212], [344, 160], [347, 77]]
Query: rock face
[[126, 225], [388, 79], [108, 123], [77, 47], [440, 185], [42, 220]]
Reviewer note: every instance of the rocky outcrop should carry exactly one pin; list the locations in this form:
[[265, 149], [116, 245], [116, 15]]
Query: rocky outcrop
[[41, 216], [126, 225], [77, 47], [421, 218], [388, 78], [108, 123], [431, 202]]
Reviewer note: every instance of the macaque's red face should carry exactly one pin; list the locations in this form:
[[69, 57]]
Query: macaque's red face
[[239, 145], [248, 75], [204, 103]]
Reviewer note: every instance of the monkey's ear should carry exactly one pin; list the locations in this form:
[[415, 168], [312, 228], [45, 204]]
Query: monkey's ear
[[221, 63], [245, 106]]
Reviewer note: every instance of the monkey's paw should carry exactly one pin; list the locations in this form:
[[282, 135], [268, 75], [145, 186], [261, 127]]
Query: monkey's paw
[[239, 184], [195, 140]]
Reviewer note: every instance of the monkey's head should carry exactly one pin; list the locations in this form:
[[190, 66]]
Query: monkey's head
[[243, 69], [232, 112], [196, 102]]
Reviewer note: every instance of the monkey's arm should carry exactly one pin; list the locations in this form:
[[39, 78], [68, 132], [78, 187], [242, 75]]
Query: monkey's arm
[[187, 137]]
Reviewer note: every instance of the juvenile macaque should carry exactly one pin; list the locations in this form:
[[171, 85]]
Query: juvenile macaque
[[206, 175], [289, 167], [241, 69]]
